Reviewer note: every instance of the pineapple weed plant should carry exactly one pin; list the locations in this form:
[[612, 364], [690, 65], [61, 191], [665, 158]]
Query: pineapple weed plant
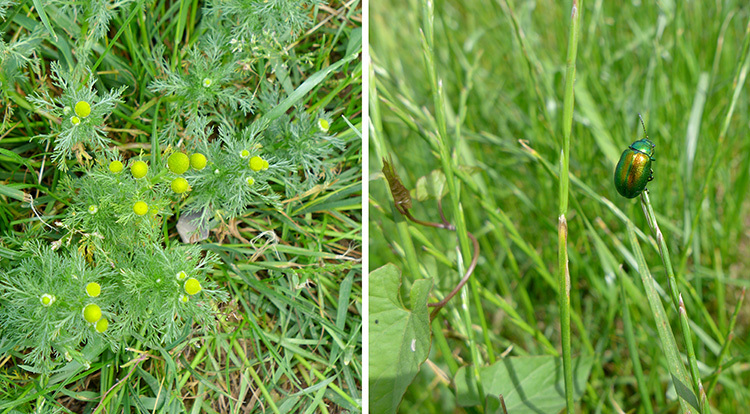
[[102, 271]]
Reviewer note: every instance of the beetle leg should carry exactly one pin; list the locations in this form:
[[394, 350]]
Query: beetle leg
[[651, 177]]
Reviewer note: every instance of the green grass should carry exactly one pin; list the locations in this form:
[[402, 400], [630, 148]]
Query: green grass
[[497, 127], [289, 338]]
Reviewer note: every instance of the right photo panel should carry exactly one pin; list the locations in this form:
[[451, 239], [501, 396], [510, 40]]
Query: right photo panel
[[559, 217]]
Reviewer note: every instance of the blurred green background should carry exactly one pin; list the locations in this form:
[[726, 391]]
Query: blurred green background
[[502, 64]]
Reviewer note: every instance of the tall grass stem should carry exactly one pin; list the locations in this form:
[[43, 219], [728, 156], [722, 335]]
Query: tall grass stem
[[563, 275], [648, 210]]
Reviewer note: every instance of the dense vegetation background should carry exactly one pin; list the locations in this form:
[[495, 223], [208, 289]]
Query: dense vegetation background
[[502, 66], [282, 262]]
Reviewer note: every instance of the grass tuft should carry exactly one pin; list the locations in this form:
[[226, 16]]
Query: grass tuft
[[488, 109]]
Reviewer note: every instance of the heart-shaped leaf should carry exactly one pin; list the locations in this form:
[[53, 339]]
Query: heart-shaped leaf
[[399, 337]]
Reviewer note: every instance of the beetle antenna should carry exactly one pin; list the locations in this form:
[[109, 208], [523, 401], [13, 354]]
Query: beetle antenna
[[643, 125]]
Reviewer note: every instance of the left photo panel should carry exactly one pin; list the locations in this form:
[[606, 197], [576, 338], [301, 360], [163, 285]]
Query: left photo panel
[[180, 206]]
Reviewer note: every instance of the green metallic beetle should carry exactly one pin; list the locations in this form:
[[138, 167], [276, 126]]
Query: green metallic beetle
[[634, 171]]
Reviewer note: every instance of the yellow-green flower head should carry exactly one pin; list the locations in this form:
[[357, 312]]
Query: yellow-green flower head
[[181, 275], [207, 82], [244, 153], [83, 109], [198, 161], [178, 163], [265, 165], [102, 325], [92, 313], [139, 169], [184, 298], [256, 163], [179, 185], [192, 286], [93, 209], [250, 181], [75, 120], [47, 299], [323, 124], [140, 208], [116, 166], [93, 289]]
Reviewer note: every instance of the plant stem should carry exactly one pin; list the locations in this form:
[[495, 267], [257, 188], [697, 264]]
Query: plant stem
[[563, 275], [677, 370], [648, 210], [445, 146]]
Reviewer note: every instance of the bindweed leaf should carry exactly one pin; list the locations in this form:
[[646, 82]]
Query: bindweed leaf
[[399, 337], [532, 384], [432, 186]]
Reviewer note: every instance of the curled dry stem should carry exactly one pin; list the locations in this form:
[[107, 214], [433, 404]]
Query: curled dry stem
[[403, 208]]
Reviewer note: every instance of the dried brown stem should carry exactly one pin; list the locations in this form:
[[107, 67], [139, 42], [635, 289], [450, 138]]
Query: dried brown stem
[[445, 225]]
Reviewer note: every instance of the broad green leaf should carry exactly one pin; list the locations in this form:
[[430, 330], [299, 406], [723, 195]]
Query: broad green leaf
[[399, 337], [532, 384], [431, 186]]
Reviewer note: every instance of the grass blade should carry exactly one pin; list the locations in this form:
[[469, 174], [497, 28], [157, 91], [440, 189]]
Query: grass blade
[[563, 276], [679, 374]]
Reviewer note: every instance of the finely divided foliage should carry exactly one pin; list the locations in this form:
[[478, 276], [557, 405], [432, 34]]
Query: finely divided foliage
[[4, 4], [268, 26], [75, 131], [99, 268]]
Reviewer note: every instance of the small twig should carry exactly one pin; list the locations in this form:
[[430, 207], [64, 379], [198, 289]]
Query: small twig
[[29, 199], [502, 402], [447, 226], [463, 281], [41, 169], [440, 210], [402, 202]]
